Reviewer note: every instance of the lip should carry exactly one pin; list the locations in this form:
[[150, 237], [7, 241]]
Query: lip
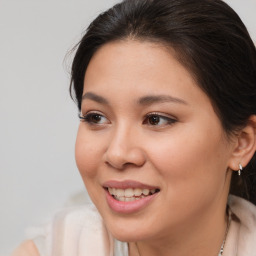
[[127, 184], [132, 206]]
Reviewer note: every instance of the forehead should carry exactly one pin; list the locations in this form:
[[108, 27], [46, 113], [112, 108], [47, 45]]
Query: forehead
[[124, 70], [136, 64]]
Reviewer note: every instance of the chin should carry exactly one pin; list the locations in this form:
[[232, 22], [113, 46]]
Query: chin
[[122, 233], [128, 237]]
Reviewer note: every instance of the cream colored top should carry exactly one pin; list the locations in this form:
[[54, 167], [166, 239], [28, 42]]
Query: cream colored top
[[80, 231]]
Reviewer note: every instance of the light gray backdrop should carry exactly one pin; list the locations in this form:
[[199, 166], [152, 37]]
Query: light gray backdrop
[[38, 121]]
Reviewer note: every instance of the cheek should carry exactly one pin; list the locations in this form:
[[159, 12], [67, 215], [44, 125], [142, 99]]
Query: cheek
[[86, 153], [189, 175], [190, 158]]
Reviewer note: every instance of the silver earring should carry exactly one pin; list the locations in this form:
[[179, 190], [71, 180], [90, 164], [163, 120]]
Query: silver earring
[[240, 169]]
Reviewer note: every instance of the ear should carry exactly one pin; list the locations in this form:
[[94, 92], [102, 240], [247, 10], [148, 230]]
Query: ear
[[245, 145]]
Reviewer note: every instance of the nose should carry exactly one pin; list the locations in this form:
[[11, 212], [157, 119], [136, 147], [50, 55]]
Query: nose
[[124, 149]]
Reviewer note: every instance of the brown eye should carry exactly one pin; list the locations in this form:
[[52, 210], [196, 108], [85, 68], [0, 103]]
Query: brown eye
[[94, 118], [154, 120], [158, 120]]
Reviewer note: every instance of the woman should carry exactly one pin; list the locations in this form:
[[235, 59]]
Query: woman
[[167, 97]]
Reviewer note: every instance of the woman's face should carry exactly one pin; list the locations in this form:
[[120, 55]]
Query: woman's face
[[151, 150]]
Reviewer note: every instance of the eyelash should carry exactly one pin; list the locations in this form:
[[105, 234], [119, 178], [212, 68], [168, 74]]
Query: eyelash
[[169, 120], [88, 118]]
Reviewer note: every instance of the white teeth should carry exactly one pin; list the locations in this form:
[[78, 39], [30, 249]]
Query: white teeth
[[111, 191], [130, 194], [137, 191], [152, 191], [145, 191], [119, 192], [129, 199]]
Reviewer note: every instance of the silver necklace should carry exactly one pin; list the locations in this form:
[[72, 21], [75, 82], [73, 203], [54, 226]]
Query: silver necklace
[[226, 233], [223, 243]]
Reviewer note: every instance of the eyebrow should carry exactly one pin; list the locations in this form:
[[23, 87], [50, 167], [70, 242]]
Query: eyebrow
[[151, 99], [145, 101], [95, 97]]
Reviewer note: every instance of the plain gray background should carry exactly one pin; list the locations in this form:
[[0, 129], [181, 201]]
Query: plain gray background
[[38, 120]]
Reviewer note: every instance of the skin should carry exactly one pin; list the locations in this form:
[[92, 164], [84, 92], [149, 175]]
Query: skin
[[27, 248], [188, 158]]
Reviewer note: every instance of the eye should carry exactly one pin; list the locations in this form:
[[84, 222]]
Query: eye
[[94, 118], [155, 119]]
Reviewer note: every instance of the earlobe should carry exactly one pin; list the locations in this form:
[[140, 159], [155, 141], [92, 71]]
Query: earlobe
[[245, 145]]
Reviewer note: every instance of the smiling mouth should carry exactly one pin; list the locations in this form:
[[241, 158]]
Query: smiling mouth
[[130, 194]]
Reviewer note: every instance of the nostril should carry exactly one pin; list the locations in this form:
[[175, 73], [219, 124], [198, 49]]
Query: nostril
[[115, 165], [119, 157], [121, 166]]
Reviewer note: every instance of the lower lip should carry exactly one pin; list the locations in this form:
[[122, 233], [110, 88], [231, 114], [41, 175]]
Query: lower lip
[[128, 207]]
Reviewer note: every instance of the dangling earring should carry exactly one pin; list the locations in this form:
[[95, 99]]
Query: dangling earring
[[240, 169]]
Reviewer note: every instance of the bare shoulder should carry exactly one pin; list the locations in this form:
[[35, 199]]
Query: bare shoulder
[[27, 248]]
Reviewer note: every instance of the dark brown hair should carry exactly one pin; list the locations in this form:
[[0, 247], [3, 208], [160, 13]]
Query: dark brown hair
[[209, 39]]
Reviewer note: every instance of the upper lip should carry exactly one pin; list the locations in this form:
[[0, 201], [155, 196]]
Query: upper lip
[[127, 184]]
